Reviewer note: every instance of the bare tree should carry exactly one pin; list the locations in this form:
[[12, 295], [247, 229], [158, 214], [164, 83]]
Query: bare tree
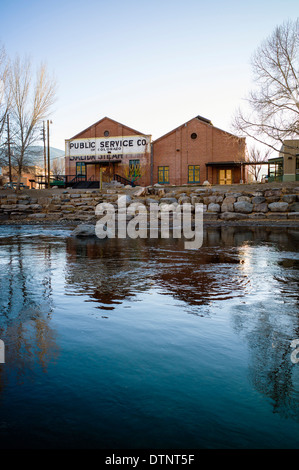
[[273, 106], [4, 89], [30, 104], [257, 155], [58, 166]]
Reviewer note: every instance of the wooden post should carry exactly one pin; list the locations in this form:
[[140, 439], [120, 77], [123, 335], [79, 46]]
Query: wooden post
[[101, 179]]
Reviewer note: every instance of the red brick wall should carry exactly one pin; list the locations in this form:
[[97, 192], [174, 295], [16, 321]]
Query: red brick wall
[[178, 150]]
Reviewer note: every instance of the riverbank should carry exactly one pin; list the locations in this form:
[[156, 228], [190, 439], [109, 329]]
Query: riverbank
[[270, 204]]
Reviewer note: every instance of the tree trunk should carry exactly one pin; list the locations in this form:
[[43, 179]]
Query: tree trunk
[[19, 179]]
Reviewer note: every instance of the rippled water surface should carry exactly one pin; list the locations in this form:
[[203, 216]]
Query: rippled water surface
[[142, 344]]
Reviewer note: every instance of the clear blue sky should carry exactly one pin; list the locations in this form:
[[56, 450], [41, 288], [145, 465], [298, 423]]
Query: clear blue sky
[[151, 65]]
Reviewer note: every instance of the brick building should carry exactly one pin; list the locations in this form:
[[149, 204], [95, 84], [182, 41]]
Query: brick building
[[197, 151], [113, 148], [192, 153]]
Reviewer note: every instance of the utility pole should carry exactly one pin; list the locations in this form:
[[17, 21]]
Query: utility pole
[[45, 154], [48, 135], [9, 154]]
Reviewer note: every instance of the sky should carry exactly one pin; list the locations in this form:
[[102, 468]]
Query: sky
[[149, 65]]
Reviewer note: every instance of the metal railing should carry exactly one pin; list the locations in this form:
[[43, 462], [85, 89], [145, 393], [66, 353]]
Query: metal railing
[[123, 180]]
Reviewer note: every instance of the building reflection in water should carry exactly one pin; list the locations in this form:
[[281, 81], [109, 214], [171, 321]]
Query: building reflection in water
[[234, 263], [129, 267], [237, 265]]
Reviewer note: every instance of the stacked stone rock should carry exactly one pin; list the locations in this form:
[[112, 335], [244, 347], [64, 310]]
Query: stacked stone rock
[[276, 203]]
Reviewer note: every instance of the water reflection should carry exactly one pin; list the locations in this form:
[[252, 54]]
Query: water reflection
[[249, 276], [109, 275], [26, 304]]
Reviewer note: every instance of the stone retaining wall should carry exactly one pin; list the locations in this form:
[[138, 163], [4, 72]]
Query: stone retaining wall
[[269, 204]]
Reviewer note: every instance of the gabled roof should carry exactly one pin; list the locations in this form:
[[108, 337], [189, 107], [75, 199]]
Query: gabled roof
[[101, 120], [200, 118], [203, 120]]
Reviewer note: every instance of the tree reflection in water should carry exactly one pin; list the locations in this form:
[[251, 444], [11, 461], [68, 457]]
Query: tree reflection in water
[[25, 305], [247, 269]]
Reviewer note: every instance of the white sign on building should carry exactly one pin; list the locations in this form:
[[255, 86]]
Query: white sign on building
[[101, 148]]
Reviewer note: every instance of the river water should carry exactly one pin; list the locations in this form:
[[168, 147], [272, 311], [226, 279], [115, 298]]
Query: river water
[[143, 344]]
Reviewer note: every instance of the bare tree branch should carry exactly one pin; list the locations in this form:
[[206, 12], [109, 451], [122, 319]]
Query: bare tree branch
[[4, 89], [30, 104], [273, 106], [256, 155]]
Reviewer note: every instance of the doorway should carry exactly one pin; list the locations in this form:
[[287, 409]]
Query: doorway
[[225, 176]]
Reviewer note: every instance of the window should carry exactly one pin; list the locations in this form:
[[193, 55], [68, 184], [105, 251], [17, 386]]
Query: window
[[81, 170], [163, 174], [134, 169], [193, 135], [193, 174], [276, 170], [106, 133]]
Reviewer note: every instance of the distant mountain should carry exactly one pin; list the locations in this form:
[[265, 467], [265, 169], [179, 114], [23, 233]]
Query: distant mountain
[[54, 152]]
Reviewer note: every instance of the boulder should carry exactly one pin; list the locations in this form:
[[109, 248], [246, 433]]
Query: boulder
[[139, 192], [149, 201], [39, 215], [209, 200], [214, 207], [244, 199], [243, 207], [184, 200], [229, 200], [263, 207], [227, 207], [289, 198], [294, 207], [168, 200], [278, 206], [232, 216], [125, 199], [84, 230], [160, 192], [273, 199], [196, 199], [258, 200], [273, 192]]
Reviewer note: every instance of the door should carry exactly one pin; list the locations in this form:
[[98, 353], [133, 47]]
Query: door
[[225, 176], [81, 170]]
